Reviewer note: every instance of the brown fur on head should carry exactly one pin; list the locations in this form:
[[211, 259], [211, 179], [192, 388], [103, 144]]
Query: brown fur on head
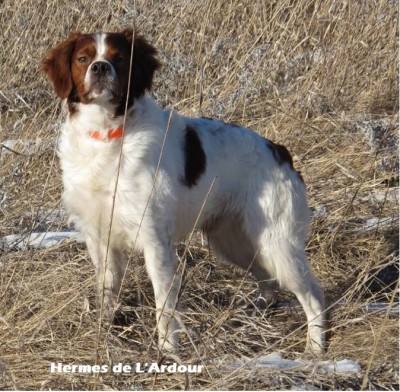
[[68, 64], [57, 65], [144, 63]]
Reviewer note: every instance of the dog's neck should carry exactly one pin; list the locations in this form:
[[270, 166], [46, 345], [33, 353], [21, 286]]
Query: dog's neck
[[94, 117], [101, 121]]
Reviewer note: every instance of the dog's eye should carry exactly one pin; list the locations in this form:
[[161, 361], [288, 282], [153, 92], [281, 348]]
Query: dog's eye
[[83, 59]]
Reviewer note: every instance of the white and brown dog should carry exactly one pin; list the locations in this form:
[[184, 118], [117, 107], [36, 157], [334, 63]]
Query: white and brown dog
[[174, 173]]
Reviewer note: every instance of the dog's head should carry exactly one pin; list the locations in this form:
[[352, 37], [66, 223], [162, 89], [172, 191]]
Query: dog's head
[[96, 67]]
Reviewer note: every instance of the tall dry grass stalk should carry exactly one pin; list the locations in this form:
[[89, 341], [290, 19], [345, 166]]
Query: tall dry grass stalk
[[320, 77]]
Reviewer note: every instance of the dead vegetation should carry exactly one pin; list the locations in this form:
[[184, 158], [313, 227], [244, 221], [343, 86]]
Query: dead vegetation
[[318, 76]]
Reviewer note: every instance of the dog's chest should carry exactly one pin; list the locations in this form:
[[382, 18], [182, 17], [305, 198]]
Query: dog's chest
[[90, 166], [91, 170]]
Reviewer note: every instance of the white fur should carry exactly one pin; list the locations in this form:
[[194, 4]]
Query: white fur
[[256, 211], [101, 46]]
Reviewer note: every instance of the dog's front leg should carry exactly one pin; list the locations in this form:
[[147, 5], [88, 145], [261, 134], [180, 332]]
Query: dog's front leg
[[161, 264], [110, 267]]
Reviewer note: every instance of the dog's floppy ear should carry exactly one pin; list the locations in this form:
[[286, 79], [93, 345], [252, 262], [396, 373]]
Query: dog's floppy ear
[[144, 63], [57, 65]]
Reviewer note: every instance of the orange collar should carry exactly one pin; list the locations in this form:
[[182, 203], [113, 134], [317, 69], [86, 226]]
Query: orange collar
[[115, 133]]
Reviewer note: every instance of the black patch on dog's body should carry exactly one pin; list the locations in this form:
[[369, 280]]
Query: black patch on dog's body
[[282, 155], [195, 158]]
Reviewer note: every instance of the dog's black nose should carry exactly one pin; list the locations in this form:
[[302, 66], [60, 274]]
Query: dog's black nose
[[100, 68]]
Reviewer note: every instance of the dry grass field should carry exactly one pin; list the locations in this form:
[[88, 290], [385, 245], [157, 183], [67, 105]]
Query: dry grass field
[[319, 76]]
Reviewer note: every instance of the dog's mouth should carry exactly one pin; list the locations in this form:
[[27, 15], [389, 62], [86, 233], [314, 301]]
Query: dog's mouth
[[102, 88], [102, 84]]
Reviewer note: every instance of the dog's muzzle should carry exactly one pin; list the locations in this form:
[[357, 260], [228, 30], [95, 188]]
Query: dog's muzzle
[[103, 78]]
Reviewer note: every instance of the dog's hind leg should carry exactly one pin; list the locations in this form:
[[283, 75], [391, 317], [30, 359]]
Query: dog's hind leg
[[287, 263], [275, 262]]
